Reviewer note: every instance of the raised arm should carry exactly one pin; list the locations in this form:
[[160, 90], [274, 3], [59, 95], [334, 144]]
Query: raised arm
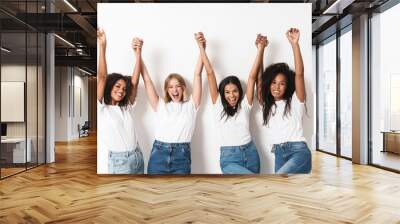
[[259, 81], [137, 48], [197, 88], [150, 89], [102, 67], [261, 43], [212, 82], [293, 36]]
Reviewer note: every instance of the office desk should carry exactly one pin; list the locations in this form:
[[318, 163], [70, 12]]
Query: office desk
[[13, 150], [391, 141]]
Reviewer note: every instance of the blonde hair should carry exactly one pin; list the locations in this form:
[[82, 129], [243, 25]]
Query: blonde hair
[[181, 81]]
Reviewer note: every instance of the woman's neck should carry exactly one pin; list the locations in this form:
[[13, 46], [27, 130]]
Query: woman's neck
[[114, 103]]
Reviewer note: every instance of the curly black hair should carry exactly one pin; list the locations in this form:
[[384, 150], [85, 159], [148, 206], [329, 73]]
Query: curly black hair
[[267, 99], [110, 82]]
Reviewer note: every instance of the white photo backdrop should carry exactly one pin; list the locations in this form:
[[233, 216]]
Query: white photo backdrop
[[169, 46]]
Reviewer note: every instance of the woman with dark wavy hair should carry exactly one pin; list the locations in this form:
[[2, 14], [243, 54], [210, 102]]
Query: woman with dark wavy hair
[[116, 99], [232, 111], [282, 97]]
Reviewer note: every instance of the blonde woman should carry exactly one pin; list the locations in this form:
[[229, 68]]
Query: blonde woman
[[176, 117]]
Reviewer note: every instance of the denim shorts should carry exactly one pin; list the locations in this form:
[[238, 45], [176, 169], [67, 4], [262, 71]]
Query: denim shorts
[[292, 157], [129, 162], [169, 158], [242, 159]]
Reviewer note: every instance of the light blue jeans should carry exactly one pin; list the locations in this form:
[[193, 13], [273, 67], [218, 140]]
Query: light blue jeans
[[169, 158], [129, 162], [241, 159], [292, 157]]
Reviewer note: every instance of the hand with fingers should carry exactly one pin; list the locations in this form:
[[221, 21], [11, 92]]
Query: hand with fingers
[[257, 39], [293, 35], [102, 65], [261, 41], [137, 44], [101, 38], [200, 39]]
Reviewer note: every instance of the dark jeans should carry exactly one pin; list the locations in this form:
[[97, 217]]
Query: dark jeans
[[242, 159], [292, 157], [169, 158]]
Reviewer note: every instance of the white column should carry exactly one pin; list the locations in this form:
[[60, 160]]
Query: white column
[[50, 93], [360, 90], [50, 99]]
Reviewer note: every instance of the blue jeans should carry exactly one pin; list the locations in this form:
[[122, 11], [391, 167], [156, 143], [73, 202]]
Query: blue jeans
[[242, 159], [292, 157], [169, 158], [129, 162]]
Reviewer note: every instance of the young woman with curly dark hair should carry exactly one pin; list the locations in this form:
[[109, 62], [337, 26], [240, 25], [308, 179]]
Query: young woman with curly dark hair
[[283, 99]]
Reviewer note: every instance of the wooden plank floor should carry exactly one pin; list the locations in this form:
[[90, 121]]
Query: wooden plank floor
[[10, 171], [70, 191]]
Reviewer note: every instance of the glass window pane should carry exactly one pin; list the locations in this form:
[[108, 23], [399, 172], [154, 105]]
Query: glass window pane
[[385, 84], [13, 87], [327, 97], [31, 97], [41, 98], [346, 94], [22, 88]]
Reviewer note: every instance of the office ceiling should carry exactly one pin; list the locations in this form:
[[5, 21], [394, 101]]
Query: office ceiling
[[76, 20]]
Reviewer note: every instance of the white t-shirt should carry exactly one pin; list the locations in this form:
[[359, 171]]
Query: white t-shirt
[[235, 130], [175, 122], [286, 128], [116, 130]]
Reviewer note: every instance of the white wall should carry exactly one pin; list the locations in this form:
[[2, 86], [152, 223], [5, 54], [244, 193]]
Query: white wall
[[12, 73], [12, 100], [313, 86], [80, 83], [61, 103], [33, 125], [169, 46], [68, 81], [17, 73]]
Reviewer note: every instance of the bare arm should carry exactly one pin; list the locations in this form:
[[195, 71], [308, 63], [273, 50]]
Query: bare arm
[[212, 82], [150, 89], [197, 88], [102, 67], [259, 81], [293, 36], [137, 47], [261, 43]]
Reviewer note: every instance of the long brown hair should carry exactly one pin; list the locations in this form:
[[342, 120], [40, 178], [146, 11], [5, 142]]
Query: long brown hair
[[228, 110]]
